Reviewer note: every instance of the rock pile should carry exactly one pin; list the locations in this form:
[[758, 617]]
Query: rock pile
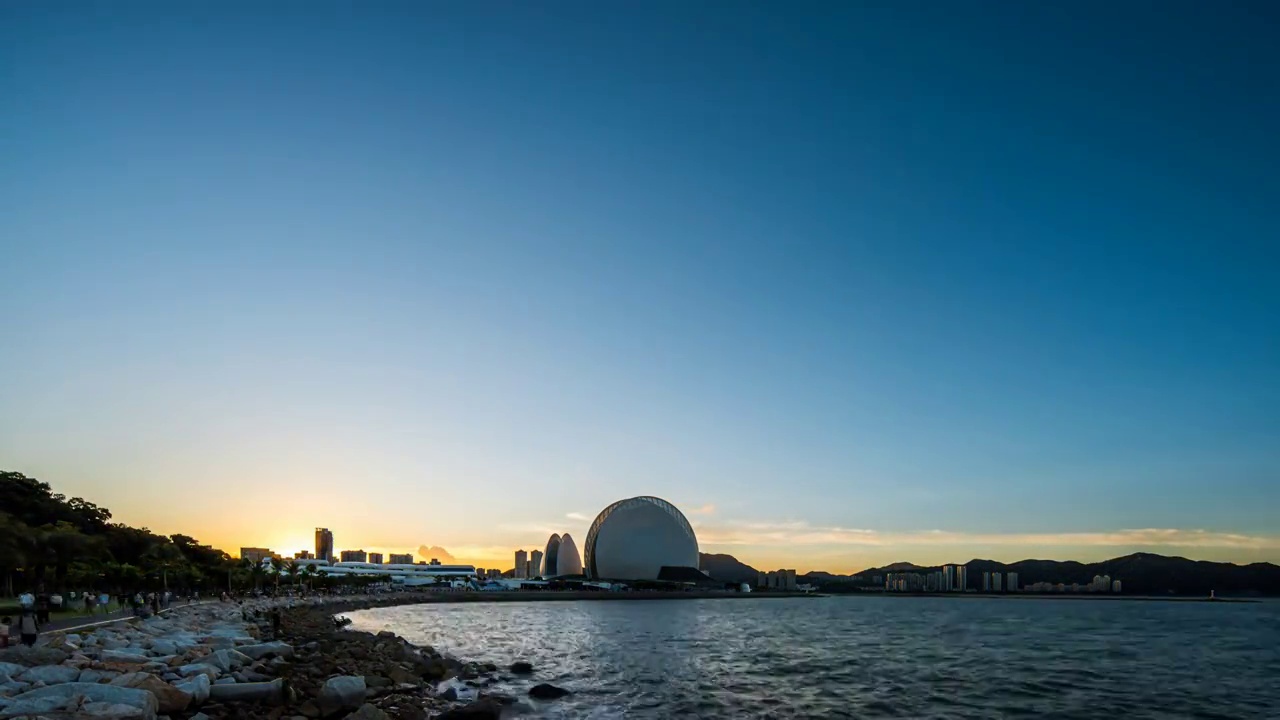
[[260, 660]]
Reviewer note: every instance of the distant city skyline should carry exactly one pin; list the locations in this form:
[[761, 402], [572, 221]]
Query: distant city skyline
[[849, 283]]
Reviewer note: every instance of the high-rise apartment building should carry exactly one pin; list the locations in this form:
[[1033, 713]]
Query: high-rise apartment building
[[986, 581], [400, 558], [324, 544], [535, 563], [354, 556], [1115, 586], [997, 582], [962, 578], [522, 564], [303, 555], [1011, 582], [375, 558], [948, 578]]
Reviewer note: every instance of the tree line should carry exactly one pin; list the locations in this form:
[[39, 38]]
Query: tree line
[[49, 542]]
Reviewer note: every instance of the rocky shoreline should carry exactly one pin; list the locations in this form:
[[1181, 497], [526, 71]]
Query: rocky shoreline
[[259, 660]]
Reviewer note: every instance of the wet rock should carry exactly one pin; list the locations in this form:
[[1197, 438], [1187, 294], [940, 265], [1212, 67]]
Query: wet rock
[[368, 712], [377, 681], [346, 692], [309, 709], [482, 709], [522, 668], [12, 669], [224, 681], [547, 691]]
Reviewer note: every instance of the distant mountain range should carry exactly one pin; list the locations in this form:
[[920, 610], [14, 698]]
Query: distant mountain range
[[1139, 573]]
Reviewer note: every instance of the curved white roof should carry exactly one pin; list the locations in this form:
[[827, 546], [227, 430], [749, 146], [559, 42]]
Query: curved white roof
[[634, 539]]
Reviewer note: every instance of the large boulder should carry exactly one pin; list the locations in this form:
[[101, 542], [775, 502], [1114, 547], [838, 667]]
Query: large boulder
[[164, 647], [482, 709], [259, 692], [199, 669], [127, 654], [169, 698], [261, 650], [12, 669], [89, 675], [547, 691], [234, 659], [522, 668], [50, 674], [345, 692], [198, 687], [140, 700], [368, 712], [31, 656]]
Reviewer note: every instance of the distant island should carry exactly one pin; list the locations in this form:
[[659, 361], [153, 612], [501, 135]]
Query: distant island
[[1141, 573]]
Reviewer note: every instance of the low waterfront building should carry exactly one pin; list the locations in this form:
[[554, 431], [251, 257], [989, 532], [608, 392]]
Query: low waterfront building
[[256, 554], [400, 573], [375, 558], [303, 555], [400, 559], [354, 556]]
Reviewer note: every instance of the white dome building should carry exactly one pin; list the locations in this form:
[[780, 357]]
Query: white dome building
[[634, 539]]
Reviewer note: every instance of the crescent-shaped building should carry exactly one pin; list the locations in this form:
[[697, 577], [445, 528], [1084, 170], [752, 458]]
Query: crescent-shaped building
[[569, 562], [561, 557], [634, 539]]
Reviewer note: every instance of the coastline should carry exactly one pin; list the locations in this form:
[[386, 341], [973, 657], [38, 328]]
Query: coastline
[[1062, 596]]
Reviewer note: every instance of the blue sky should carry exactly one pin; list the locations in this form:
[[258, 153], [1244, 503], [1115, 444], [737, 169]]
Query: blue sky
[[847, 282]]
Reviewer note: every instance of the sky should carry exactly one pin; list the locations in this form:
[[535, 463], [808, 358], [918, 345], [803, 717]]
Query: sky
[[848, 283]]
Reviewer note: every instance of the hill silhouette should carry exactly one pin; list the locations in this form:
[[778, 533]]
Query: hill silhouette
[[1140, 573]]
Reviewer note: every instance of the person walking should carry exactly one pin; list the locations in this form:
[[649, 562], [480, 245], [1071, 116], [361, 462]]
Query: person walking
[[28, 628], [4, 631]]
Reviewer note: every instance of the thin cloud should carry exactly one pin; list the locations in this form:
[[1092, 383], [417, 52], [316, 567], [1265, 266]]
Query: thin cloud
[[577, 516], [801, 533], [707, 509]]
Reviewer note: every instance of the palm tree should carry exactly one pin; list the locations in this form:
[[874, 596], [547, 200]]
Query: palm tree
[[277, 566], [291, 569], [309, 573]]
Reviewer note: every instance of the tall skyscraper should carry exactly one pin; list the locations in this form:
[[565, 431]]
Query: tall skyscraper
[[1011, 582], [375, 558], [522, 564], [997, 582], [324, 544], [948, 578], [962, 578], [986, 581], [535, 563]]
